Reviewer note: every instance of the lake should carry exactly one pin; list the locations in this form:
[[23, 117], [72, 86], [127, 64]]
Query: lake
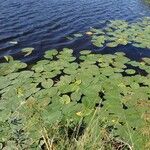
[[45, 24]]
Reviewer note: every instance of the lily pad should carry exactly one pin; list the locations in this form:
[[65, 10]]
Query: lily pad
[[50, 53], [65, 99], [78, 35], [130, 71], [85, 52], [47, 83], [99, 41], [27, 50]]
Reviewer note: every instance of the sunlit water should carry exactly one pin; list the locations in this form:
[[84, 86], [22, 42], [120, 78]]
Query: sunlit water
[[44, 24]]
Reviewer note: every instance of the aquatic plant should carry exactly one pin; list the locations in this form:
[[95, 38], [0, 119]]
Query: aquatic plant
[[27, 50], [59, 91], [120, 32]]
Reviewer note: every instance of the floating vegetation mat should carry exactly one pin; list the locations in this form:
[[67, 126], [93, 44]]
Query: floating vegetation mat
[[63, 89], [120, 32]]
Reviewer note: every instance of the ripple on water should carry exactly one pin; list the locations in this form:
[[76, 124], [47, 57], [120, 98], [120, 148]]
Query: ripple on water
[[43, 24]]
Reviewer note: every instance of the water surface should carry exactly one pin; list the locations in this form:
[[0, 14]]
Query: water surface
[[44, 24]]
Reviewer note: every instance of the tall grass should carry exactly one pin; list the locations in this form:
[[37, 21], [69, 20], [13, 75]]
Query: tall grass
[[92, 136]]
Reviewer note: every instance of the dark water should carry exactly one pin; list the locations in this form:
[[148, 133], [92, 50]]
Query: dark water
[[44, 24]]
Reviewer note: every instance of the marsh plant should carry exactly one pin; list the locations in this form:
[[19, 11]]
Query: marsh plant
[[58, 98], [120, 32], [93, 101]]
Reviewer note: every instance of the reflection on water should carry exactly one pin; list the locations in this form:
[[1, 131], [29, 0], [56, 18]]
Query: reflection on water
[[44, 24]]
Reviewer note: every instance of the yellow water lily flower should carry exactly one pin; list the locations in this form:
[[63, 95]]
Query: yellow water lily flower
[[89, 33], [79, 113]]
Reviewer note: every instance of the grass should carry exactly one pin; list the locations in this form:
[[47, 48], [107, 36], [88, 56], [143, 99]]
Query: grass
[[94, 136]]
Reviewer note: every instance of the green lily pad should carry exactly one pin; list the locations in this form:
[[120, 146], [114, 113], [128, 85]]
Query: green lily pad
[[9, 58], [130, 71], [147, 60], [27, 50], [78, 35], [65, 99], [85, 52], [47, 83], [51, 53], [98, 41]]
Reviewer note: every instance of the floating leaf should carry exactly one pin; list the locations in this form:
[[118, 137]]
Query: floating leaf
[[27, 50], [98, 41], [78, 35], [65, 99], [147, 60], [85, 52], [51, 117], [47, 83], [69, 38], [8, 58], [50, 53], [130, 71]]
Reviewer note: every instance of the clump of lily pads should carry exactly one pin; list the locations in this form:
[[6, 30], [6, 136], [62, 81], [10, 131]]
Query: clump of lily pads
[[120, 32], [59, 89]]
